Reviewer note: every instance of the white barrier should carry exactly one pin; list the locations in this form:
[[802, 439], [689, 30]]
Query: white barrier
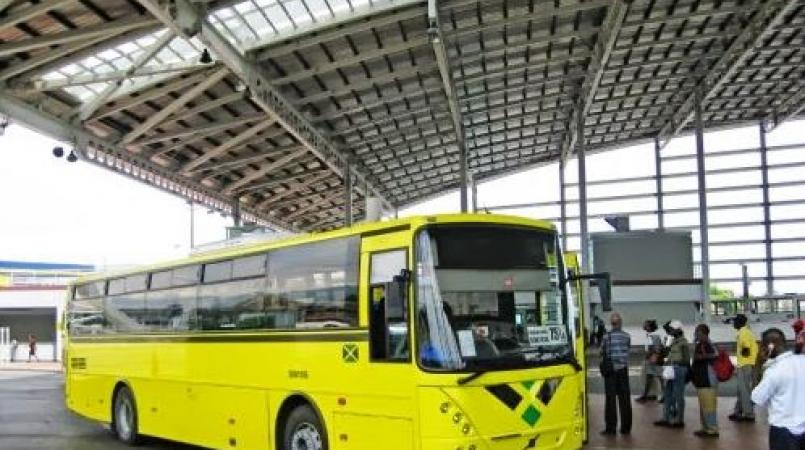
[[5, 345]]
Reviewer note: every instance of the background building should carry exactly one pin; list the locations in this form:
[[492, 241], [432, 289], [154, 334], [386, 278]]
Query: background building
[[32, 300]]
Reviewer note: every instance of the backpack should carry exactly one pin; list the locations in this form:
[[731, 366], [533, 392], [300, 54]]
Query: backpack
[[723, 366]]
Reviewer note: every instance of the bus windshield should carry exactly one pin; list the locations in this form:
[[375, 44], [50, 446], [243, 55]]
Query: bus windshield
[[489, 297]]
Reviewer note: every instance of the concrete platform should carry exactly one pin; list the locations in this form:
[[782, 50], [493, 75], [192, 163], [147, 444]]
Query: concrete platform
[[645, 436], [33, 417]]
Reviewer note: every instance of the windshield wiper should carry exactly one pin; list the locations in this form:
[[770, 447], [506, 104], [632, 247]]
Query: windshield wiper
[[470, 377]]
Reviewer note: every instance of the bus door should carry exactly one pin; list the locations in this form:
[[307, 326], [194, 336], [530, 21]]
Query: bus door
[[383, 404]]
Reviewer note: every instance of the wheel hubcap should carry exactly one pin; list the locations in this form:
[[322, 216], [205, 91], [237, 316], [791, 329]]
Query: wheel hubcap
[[306, 437], [124, 419]]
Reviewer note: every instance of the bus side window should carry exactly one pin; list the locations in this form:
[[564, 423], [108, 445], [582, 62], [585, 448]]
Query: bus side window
[[388, 336]]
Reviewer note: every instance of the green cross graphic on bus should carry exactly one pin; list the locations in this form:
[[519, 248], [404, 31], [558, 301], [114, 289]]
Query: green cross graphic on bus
[[349, 353]]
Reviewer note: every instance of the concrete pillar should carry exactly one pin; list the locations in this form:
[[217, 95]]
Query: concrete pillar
[[192, 224], [374, 209], [236, 213], [658, 175], [764, 172], [474, 189], [704, 241], [462, 163], [347, 195], [562, 204], [585, 235]]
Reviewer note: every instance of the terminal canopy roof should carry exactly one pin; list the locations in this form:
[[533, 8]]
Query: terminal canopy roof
[[267, 104]]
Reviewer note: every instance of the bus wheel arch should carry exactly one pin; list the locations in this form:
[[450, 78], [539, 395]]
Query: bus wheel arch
[[123, 399], [294, 406]]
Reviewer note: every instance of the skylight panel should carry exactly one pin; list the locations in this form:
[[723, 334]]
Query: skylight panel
[[149, 40], [339, 6], [181, 49], [121, 63], [319, 9], [54, 76], [91, 62], [278, 17], [238, 29], [224, 14], [128, 47], [71, 69], [298, 12], [259, 23], [245, 7], [109, 55]]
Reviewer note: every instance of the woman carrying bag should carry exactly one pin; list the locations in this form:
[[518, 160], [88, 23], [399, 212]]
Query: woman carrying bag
[[675, 373], [652, 366], [706, 382]]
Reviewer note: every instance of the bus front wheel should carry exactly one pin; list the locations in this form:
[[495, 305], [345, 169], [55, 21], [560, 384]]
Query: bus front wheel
[[304, 431], [124, 417]]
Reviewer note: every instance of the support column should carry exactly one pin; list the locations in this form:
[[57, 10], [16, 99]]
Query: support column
[[462, 162], [704, 241], [474, 189], [658, 175], [562, 204], [236, 212], [585, 236], [192, 224], [764, 172], [348, 196]]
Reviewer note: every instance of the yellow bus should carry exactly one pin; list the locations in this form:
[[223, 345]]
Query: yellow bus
[[431, 333]]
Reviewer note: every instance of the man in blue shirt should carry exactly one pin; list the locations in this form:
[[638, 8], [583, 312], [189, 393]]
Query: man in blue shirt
[[616, 346]]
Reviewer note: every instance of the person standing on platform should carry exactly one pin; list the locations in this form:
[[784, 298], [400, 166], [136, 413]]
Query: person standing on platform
[[747, 352], [615, 346], [705, 381], [782, 392], [652, 365], [675, 373], [771, 350]]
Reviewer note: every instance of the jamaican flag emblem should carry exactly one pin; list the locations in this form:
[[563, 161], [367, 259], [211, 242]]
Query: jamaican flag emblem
[[528, 398]]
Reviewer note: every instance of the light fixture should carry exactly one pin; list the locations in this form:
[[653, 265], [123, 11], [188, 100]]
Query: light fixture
[[58, 151], [205, 57], [72, 157]]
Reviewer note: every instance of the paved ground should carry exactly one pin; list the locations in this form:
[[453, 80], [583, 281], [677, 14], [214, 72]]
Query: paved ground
[[33, 417], [36, 366]]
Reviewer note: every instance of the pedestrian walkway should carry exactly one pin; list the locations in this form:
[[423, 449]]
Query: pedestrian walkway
[[39, 366], [645, 436]]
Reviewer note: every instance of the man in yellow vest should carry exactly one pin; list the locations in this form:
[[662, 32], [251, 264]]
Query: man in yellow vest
[[747, 351]]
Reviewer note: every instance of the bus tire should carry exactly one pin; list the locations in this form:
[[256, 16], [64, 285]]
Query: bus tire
[[303, 430], [124, 417]]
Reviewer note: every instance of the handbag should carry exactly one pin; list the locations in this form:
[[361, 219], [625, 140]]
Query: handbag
[[668, 373], [606, 367]]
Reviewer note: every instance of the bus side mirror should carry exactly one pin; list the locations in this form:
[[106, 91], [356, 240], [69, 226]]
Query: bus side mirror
[[396, 296], [603, 282]]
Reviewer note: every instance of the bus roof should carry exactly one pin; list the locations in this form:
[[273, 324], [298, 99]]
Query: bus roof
[[356, 229]]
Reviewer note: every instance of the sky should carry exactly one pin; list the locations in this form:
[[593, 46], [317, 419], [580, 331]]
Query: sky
[[59, 211]]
